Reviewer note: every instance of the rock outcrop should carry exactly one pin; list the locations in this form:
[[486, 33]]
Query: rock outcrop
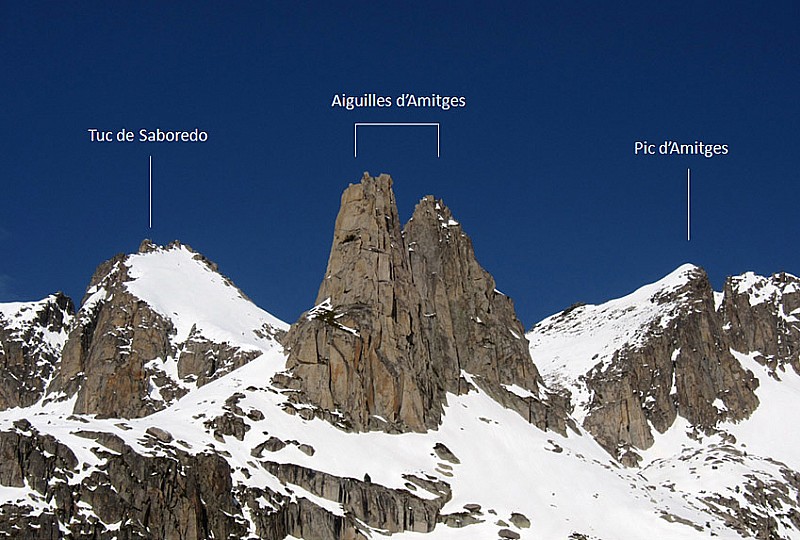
[[763, 314], [104, 358], [360, 351], [389, 510], [404, 316], [467, 324], [178, 496], [119, 355], [31, 337], [171, 493], [410, 342]]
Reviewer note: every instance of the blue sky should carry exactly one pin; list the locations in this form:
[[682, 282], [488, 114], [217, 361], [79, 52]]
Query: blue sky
[[538, 167]]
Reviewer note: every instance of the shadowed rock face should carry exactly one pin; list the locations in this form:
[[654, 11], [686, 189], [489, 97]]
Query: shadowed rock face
[[175, 494], [30, 346], [104, 357], [400, 316], [759, 314], [469, 325]]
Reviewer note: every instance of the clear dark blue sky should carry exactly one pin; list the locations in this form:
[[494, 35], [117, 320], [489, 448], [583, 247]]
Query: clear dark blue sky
[[539, 166]]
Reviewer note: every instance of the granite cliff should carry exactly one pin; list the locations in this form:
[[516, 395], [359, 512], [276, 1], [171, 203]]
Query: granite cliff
[[405, 316]]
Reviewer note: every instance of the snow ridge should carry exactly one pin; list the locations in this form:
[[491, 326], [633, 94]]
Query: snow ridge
[[181, 287]]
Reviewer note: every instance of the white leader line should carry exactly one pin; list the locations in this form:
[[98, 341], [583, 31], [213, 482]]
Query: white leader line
[[688, 204], [151, 192], [355, 131]]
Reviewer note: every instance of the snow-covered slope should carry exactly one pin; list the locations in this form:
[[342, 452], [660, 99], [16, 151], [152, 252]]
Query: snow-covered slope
[[743, 471], [567, 345], [770, 432], [155, 325], [760, 289], [183, 287], [18, 318]]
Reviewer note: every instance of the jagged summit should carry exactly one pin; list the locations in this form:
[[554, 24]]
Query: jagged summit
[[361, 354], [762, 314], [405, 316], [147, 246]]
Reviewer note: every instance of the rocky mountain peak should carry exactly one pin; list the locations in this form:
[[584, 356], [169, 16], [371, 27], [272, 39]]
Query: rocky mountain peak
[[409, 334], [636, 363], [404, 316], [153, 325], [147, 246], [471, 326], [359, 352]]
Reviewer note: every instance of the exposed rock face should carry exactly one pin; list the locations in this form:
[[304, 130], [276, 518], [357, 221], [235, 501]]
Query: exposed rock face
[[761, 314], [361, 353], [203, 360], [400, 316], [468, 325], [175, 494], [105, 355], [30, 458], [31, 337], [179, 496], [391, 510]]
